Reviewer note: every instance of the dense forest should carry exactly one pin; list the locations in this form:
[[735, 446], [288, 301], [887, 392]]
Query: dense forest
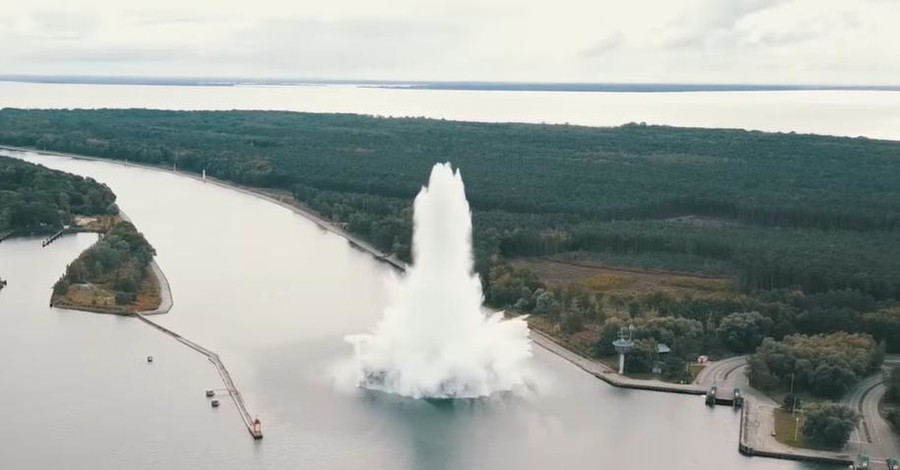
[[823, 365], [38, 200], [807, 227], [109, 274]]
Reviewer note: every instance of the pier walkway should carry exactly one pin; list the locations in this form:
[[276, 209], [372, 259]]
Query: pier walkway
[[220, 367], [52, 238]]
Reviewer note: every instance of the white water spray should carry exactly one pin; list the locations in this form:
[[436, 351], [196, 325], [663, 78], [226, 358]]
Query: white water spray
[[435, 340]]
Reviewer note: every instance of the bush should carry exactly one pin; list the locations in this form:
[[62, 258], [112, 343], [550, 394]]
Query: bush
[[791, 402], [124, 298], [829, 425], [571, 322], [826, 365], [742, 332]]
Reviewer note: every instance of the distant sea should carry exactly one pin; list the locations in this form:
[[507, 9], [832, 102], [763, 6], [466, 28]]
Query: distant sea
[[445, 85], [851, 111]]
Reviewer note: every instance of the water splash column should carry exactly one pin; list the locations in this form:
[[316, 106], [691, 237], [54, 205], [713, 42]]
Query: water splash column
[[434, 339]]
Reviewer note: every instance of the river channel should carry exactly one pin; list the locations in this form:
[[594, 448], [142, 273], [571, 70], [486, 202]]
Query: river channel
[[274, 294]]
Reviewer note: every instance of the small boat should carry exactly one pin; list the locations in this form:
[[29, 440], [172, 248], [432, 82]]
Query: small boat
[[149, 358], [210, 393], [214, 403]]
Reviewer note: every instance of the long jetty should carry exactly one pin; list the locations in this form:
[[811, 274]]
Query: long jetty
[[223, 373], [52, 238]]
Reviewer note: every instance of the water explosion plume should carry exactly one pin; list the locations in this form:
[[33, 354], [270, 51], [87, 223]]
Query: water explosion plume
[[434, 339]]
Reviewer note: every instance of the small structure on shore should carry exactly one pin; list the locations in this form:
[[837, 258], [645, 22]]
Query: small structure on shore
[[659, 364], [624, 345], [149, 358]]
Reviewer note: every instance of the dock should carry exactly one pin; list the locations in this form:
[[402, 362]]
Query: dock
[[252, 424], [52, 238]]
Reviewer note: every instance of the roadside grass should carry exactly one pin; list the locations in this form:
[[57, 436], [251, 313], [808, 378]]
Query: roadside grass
[[777, 395], [787, 427], [694, 370]]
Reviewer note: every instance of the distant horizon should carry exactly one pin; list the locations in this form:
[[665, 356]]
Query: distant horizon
[[473, 85]]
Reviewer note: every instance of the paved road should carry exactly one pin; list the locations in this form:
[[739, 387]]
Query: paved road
[[727, 373], [874, 436]]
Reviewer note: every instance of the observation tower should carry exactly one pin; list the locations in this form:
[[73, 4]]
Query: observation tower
[[624, 345]]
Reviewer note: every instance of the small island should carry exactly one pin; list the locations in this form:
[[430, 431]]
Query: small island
[[112, 276]]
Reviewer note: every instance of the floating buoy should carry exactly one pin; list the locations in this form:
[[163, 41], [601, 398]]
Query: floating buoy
[[214, 403], [210, 393], [149, 358]]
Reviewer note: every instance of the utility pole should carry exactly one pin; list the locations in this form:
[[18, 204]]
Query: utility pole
[[793, 401]]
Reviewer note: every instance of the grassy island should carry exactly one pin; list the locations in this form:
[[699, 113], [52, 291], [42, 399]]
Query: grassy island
[[112, 276]]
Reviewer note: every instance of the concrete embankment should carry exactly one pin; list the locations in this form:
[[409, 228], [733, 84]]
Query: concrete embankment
[[165, 291], [757, 438], [607, 374]]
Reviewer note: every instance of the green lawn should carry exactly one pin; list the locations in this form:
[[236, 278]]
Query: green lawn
[[787, 427]]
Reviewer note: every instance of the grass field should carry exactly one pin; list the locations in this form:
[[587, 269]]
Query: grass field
[[627, 281], [789, 428]]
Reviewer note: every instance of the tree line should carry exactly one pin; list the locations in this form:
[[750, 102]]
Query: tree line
[[808, 225], [824, 365], [37, 200]]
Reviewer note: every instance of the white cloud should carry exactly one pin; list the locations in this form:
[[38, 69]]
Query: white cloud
[[785, 41]]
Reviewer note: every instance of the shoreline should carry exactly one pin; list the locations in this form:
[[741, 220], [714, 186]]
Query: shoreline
[[165, 291], [165, 294], [303, 211], [541, 339]]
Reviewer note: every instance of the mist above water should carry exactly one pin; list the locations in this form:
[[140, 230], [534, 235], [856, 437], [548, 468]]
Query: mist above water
[[435, 340]]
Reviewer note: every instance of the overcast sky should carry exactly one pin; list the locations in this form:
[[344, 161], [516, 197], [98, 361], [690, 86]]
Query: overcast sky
[[700, 41]]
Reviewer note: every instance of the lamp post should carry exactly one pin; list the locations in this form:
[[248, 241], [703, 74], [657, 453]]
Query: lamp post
[[793, 398]]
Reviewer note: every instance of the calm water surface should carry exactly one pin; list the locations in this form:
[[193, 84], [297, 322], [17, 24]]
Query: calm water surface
[[274, 294], [848, 113]]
